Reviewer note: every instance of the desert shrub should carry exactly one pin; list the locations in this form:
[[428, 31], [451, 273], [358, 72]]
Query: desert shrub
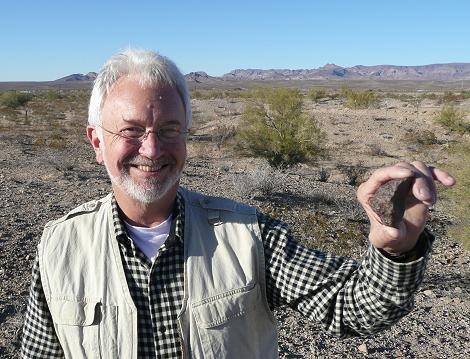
[[14, 99], [39, 142], [459, 158], [53, 95], [323, 175], [396, 95], [452, 119], [426, 137], [317, 93], [217, 94], [344, 91], [376, 150], [274, 127], [448, 97], [465, 95], [55, 140], [207, 94], [196, 94], [354, 173], [428, 95], [360, 99], [263, 180], [423, 137], [221, 134]]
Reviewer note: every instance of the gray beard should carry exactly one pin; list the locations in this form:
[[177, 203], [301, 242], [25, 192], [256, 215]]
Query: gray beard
[[152, 191]]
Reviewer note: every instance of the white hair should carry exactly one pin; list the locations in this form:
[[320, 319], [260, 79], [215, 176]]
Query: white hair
[[150, 69]]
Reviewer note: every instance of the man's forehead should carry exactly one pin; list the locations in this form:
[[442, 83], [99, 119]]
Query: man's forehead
[[130, 100], [133, 84]]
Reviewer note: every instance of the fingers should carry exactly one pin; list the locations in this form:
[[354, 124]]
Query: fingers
[[422, 194], [442, 177], [381, 176], [424, 189]]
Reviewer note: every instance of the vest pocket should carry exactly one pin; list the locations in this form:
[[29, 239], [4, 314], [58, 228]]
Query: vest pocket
[[85, 327], [233, 325], [220, 309]]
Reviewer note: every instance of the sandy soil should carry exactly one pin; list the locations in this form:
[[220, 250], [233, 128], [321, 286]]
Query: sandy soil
[[41, 180]]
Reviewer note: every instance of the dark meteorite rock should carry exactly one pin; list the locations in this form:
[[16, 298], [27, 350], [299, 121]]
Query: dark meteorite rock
[[390, 200]]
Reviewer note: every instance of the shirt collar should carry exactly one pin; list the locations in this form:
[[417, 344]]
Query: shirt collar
[[177, 225]]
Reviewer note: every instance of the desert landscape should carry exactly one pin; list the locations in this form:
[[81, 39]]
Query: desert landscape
[[47, 168]]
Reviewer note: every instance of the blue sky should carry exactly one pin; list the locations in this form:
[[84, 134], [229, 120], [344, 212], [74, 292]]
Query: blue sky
[[46, 40]]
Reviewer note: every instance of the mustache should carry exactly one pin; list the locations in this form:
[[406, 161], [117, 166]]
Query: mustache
[[143, 161]]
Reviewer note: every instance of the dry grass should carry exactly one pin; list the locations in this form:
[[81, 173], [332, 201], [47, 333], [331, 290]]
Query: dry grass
[[452, 119], [459, 195]]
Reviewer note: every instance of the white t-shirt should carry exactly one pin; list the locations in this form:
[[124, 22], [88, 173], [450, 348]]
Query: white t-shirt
[[149, 240]]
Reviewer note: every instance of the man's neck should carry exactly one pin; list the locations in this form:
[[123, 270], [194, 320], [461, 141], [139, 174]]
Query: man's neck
[[145, 214]]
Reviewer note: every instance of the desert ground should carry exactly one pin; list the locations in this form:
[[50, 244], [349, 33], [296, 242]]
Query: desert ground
[[47, 168]]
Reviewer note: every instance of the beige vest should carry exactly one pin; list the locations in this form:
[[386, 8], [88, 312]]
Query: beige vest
[[224, 315]]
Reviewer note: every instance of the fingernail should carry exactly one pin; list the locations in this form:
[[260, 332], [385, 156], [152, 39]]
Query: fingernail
[[428, 197], [425, 194]]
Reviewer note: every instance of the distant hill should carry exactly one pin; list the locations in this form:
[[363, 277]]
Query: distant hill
[[91, 76], [437, 72], [441, 73], [199, 76]]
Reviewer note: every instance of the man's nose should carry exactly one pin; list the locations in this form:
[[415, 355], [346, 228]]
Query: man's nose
[[150, 146]]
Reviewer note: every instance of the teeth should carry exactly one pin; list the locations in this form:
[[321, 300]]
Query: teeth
[[149, 168]]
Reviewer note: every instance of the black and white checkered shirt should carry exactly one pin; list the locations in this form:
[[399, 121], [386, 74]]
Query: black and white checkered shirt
[[346, 297]]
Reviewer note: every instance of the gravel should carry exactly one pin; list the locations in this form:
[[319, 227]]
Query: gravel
[[39, 183]]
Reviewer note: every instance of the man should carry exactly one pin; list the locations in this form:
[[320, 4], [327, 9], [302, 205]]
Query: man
[[156, 271]]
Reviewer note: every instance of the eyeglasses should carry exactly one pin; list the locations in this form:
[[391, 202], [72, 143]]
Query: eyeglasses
[[137, 135]]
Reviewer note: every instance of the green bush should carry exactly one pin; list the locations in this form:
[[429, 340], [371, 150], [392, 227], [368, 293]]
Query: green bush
[[317, 93], [344, 91], [465, 95], [448, 97], [14, 99], [53, 95], [452, 119], [360, 99], [208, 94], [215, 94], [428, 95], [274, 127]]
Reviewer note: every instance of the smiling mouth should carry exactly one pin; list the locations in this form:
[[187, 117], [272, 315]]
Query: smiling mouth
[[145, 168]]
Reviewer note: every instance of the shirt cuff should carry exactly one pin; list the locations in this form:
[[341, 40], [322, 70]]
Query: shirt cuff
[[421, 249], [392, 280]]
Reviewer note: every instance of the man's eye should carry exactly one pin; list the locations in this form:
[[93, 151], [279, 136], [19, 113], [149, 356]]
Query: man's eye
[[169, 132], [132, 132]]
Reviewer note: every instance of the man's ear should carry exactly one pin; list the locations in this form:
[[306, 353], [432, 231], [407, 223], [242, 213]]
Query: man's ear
[[95, 141]]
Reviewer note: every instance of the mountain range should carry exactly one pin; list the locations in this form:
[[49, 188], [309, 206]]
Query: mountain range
[[434, 72]]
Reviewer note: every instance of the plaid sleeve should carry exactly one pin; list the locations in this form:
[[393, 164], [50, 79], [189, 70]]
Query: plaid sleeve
[[346, 297], [39, 337]]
